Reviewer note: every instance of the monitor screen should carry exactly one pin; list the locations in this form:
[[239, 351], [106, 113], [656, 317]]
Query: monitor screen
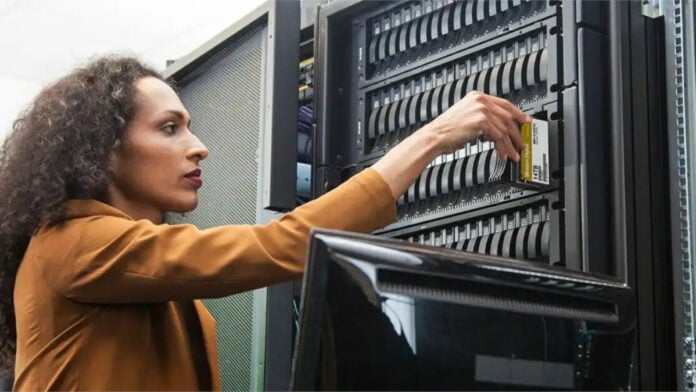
[[380, 314]]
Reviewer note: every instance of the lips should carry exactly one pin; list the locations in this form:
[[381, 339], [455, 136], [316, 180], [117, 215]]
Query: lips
[[194, 173], [194, 177]]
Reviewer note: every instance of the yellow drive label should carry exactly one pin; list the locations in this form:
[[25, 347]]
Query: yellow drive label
[[534, 160], [526, 156]]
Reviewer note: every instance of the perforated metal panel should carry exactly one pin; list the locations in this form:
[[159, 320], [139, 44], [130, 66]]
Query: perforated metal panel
[[680, 26], [223, 96]]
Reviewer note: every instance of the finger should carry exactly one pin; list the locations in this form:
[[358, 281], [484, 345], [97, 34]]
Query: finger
[[506, 105], [514, 133], [513, 154], [517, 114], [505, 142], [503, 149], [511, 127], [516, 137], [491, 134], [500, 149]]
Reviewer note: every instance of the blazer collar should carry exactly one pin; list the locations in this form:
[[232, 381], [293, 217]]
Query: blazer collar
[[79, 208]]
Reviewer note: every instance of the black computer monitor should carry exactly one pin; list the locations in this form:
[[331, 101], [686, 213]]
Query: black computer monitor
[[381, 314]]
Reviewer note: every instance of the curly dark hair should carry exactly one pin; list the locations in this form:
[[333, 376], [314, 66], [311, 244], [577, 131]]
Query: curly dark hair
[[59, 149]]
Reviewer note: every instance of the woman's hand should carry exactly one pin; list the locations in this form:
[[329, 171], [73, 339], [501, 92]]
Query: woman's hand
[[477, 114]]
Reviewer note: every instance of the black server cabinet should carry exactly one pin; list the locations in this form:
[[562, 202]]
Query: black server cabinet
[[594, 70], [394, 66]]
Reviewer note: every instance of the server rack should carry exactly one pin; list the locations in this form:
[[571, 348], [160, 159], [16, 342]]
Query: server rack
[[594, 70], [409, 62]]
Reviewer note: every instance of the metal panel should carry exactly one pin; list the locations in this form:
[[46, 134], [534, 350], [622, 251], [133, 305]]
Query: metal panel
[[279, 152], [224, 96], [681, 124], [241, 90], [647, 212]]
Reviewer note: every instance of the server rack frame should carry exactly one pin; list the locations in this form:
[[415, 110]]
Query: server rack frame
[[640, 146], [335, 157]]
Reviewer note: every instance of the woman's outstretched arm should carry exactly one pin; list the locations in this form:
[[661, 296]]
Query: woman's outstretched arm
[[475, 115]]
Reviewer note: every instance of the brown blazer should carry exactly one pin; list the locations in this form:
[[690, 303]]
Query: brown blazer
[[104, 302]]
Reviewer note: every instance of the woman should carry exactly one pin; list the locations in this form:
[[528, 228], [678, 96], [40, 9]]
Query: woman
[[102, 293]]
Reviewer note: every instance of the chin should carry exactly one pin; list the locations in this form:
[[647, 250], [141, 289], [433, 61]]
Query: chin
[[191, 206], [183, 205]]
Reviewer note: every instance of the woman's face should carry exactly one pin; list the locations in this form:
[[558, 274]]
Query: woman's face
[[156, 168]]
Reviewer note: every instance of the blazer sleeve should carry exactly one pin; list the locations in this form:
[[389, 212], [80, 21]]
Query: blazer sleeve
[[116, 260]]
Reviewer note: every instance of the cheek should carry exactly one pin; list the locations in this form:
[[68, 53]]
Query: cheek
[[145, 169], [151, 160], [153, 175]]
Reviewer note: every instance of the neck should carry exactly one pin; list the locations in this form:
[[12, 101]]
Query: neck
[[134, 208]]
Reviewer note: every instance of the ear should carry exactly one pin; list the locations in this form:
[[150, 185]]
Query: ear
[[116, 157]]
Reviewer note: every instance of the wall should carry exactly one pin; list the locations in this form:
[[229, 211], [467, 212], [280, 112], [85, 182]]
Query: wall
[[43, 40]]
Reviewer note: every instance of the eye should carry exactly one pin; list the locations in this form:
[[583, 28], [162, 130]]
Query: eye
[[169, 128]]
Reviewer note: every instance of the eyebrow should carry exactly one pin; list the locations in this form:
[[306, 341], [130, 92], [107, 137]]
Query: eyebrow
[[178, 114]]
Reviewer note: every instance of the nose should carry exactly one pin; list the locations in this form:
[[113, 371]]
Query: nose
[[198, 150]]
